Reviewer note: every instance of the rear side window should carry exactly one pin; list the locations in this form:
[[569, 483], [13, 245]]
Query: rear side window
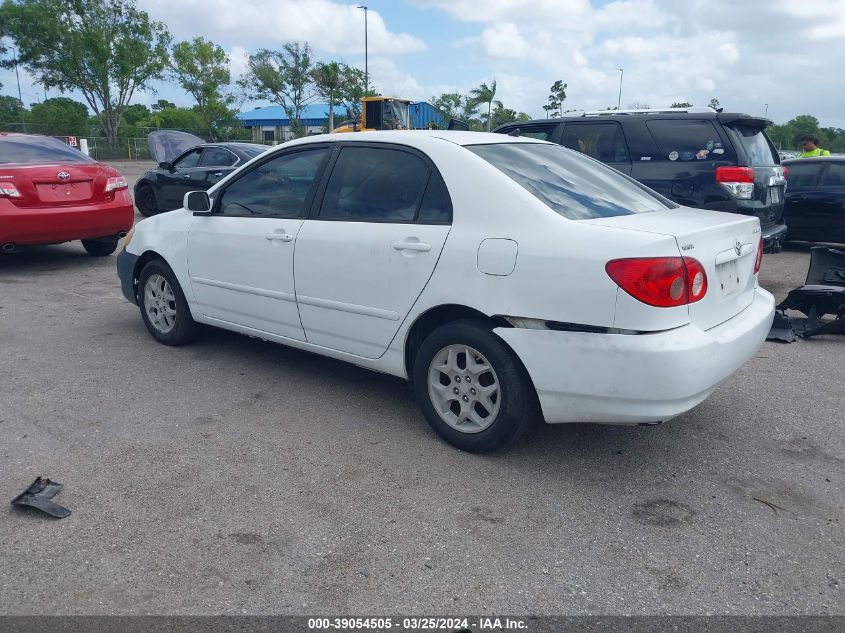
[[602, 141], [835, 176], [686, 140], [803, 175], [38, 149], [753, 140], [217, 157], [576, 187], [436, 207], [375, 185]]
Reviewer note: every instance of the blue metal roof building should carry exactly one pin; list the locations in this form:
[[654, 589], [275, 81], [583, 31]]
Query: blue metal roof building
[[271, 123]]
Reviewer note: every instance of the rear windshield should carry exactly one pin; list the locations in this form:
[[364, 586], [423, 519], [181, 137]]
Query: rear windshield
[[575, 186], [753, 139], [251, 151], [38, 149]]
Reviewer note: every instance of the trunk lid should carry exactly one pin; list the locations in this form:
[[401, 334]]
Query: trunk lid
[[58, 185], [755, 150], [726, 245]]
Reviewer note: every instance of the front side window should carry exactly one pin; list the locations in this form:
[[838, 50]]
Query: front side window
[[189, 160], [687, 140], [280, 187], [375, 185], [803, 175], [572, 185], [217, 157], [602, 141]]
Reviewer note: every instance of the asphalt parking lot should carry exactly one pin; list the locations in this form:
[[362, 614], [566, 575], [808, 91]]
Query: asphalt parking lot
[[236, 476]]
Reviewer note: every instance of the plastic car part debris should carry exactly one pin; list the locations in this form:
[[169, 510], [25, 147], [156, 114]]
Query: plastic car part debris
[[822, 294], [39, 496]]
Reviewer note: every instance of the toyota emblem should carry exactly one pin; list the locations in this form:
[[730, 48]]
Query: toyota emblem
[[63, 176], [738, 247]]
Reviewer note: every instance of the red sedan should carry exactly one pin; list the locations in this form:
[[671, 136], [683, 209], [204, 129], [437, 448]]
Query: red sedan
[[52, 193]]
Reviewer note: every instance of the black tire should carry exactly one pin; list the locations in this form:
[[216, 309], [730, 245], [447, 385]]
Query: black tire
[[184, 329], [518, 407], [100, 248], [145, 201]]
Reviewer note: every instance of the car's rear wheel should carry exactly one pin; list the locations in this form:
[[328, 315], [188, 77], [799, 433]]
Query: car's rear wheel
[[99, 248], [145, 200], [472, 388], [163, 306]]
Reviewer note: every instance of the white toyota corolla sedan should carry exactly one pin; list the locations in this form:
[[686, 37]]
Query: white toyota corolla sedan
[[506, 278]]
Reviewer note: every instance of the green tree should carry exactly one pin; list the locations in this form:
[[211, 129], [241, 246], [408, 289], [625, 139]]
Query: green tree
[[105, 49], [354, 89], [449, 105], [714, 103], [556, 98], [162, 104], [328, 80], [186, 119], [202, 69], [59, 116], [283, 77], [681, 104], [11, 114], [484, 94], [502, 115]]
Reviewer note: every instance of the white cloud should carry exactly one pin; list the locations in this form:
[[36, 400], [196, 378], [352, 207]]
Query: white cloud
[[330, 27]]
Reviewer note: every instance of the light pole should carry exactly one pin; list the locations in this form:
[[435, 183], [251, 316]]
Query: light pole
[[619, 100], [366, 65], [20, 96]]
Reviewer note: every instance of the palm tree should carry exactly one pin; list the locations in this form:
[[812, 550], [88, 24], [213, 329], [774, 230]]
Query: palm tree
[[485, 94], [329, 81]]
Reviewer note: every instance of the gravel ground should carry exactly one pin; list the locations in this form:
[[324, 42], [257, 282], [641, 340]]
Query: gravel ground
[[236, 476]]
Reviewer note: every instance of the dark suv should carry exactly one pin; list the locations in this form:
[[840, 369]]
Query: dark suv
[[697, 157]]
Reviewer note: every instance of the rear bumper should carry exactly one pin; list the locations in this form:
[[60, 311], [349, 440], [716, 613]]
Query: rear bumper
[[126, 273], [774, 235], [635, 379], [62, 224]]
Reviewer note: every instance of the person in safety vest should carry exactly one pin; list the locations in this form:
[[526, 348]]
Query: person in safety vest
[[809, 143]]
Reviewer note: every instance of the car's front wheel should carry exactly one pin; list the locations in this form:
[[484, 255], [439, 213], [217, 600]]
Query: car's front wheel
[[163, 306], [145, 200], [472, 388], [99, 248]]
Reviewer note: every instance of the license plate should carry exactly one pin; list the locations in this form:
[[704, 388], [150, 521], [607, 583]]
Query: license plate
[[729, 277], [774, 194]]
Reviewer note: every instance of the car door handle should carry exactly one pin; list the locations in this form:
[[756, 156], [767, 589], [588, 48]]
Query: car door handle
[[281, 236], [419, 247], [187, 176], [219, 174]]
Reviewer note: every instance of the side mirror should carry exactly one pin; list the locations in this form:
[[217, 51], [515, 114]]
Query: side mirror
[[198, 202], [165, 166]]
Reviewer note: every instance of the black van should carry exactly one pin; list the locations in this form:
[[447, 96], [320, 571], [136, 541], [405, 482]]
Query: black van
[[697, 157]]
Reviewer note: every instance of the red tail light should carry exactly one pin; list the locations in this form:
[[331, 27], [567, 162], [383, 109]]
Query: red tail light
[[734, 174], [115, 183], [8, 190], [759, 259], [663, 282], [786, 172]]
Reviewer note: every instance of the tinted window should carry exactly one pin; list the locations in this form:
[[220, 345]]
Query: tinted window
[[280, 187], [753, 139], [572, 185], [217, 157], [374, 184], [436, 207], [38, 149], [191, 159], [834, 176], [543, 133], [602, 141], [686, 140], [251, 151], [802, 175]]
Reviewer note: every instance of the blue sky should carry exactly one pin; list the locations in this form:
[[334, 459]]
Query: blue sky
[[779, 56]]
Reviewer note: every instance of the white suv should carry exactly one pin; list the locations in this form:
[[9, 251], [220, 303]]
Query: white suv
[[507, 278]]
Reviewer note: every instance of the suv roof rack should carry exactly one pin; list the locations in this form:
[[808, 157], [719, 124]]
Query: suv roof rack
[[697, 110]]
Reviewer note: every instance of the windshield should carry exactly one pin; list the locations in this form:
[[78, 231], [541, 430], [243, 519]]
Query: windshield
[[575, 186], [396, 116], [753, 139], [38, 149]]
